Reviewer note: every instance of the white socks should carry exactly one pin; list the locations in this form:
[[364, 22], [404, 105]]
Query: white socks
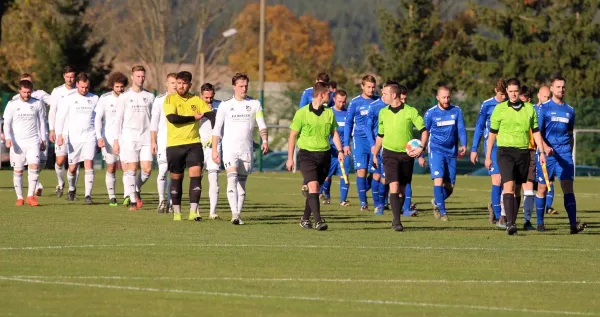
[[32, 179], [241, 191], [528, 202], [130, 181], [71, 178], [111, 182], [232, 191], [18, 182], [60, 175], [161, 181], [141, 180], [213, 190], [89, 182]]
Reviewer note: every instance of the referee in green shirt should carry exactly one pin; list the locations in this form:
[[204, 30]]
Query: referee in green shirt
[[396, 122], [510, 124], [313, 125]]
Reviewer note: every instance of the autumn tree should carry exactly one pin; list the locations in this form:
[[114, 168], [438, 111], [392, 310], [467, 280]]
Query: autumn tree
[[289, 41]]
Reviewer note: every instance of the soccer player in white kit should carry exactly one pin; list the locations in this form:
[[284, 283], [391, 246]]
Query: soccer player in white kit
[[75, 131], [61, 151], [132, 138], [25, 133], [235, 121], [105, 130], [158, 131], [207, 92], [44, 97]]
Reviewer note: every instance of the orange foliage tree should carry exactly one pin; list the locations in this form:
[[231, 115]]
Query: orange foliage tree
[[290, 42]]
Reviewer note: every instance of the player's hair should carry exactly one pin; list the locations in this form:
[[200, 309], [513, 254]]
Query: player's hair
[[207, 87], [501, 85], [319, 88], [513, 82], [239, 76], [340, 92], [137, 68], [323, 77], [332, 84], [558, 77], [184, 75], [25, 84], [443, 87], [368, 79], [403, 89], [82, 77], [391, 82], [394, 89], [25, 75], [172, 75], [69, 69], [117, 77], [526, 91]]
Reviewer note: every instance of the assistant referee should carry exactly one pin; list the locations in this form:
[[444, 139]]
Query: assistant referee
[[511, 123], [184, 111], [313, 125]]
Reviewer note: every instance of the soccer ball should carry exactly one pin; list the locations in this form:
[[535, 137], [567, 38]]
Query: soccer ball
[[413, 144]]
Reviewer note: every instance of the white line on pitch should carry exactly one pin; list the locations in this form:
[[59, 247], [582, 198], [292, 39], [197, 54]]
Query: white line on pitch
[[305, 298], [308, 280]]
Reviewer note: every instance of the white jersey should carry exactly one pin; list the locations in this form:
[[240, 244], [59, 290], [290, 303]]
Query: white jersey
[[206, 132], [237, 117], [106, 109], [75, 117], [25, 122], [55, 96], [159, 121], [133, 117]]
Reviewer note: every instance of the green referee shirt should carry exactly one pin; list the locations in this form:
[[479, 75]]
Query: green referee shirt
[[396, 126], [513, 125], [314, 128]]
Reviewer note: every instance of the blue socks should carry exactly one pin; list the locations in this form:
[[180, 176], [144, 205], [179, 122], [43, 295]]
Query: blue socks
[[326, 188], [438, 194], [387, 194], [447, 192], [361, 185], [540, 209], [407, 198], [375, 192], [571, 207], [369, 179], [550, 196], [496, 197], [382, 193], [343, 190]]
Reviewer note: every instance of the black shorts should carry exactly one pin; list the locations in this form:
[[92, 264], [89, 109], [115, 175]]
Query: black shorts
[[513, 164], [181, 156], [314, 166], [531, 170], [398, 167]]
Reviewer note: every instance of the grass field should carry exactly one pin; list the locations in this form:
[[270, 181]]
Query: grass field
[[67, 259]]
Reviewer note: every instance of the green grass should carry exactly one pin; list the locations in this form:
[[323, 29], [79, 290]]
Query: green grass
[[112, 262]]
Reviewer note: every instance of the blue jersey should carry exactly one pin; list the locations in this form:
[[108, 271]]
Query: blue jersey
[[307, 97], [340, 117], [556, 122], [373, 120], [482, 127], [446, 128], [356, 119]]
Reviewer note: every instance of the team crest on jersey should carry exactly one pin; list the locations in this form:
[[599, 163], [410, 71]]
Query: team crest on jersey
[[18, 109], [193, 107], [145, 99], [31, 108], [452, 116], [568, 115], [248, 108]]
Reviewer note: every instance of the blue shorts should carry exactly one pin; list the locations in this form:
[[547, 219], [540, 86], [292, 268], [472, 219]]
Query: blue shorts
[[361, 153], [495, 168], [335, 168], [558, 165], [442, 166]]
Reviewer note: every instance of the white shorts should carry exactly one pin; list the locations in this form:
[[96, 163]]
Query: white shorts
[[161, 156], [241, 161], [107, 154], [209, 164], [133, 154], [79, 152], [60, 150], [26, 155]]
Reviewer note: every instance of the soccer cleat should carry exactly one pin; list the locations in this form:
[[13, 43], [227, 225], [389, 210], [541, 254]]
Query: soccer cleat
[[126, 201], [551, 211], [236, 220], [71, 195], [501, 223], [113, 202], [59, 191], [398, 227], [214, 217], [20, 202], [326, 200], [386, 207], [321, 225], [88, 200], [304, 190], [491, 215], [379, 211], [345, 203], [364, 208], [306, 224], [511, 230], [444, 217], [177, 216], [31, 201], [541, 228], [528, 226], [139, 201], [436, 210], [194, 216], [38, 192], [578, 227], [162, 207]]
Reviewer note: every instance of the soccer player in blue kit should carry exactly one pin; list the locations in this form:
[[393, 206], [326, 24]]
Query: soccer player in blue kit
[[356, 127], [307, 94], [556, 124], [482, 128], [339, 111], [446, 127]]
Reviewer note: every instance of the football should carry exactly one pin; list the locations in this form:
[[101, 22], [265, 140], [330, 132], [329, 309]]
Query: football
[[413, 144]]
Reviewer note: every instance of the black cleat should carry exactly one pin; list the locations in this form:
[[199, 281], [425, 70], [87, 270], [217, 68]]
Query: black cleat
[[386, 207], [59, 192], [398, 227], [491, 215], [541, 228], [88, 200], [113, 202], [578, 227], [528, 226], [511, 230], [71, 196], [321, 225], [306, 224]]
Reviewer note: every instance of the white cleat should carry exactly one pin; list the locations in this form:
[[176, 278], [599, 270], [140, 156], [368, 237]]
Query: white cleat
[[214, 217], [236, 220]]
